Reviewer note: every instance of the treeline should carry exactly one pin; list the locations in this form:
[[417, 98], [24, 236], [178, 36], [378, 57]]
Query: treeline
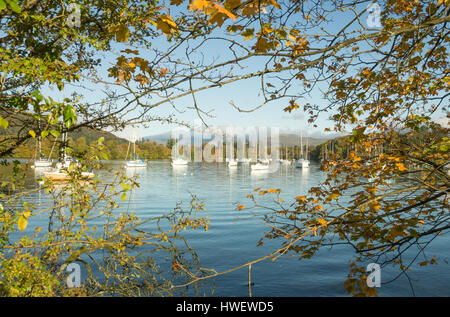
[[399, 142]]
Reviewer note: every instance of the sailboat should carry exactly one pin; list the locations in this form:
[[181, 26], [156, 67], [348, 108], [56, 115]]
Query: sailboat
[[136, 162], [61, 171], [179, 161], [232, 162], [286, 160], [303, 162], [39, 160], [300, 160], [262, 164]]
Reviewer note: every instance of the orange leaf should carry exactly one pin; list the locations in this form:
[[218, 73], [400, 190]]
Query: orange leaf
[[166, 24], [401, 167], [199, 4], [322, 221], [276, 5], [225, 11]]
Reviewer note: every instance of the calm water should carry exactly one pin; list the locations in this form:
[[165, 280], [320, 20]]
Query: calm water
[[233, 235]]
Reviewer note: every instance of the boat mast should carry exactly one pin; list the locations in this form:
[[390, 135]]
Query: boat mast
[[306, 150], [301, 143]]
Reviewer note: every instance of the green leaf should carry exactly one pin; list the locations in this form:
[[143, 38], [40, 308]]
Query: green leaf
[[14, 6], [69, 115], [2, 5], [44, 134], [105, 156], [124, 197], [3, 123], [55, 133], [125, 186]]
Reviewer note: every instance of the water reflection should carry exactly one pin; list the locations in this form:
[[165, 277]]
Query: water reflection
[[233, 235]]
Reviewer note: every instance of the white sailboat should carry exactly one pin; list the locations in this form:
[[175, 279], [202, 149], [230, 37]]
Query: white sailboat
[[179, 161], [259, 166], [61, 171], [303, 162], [299, 163], [135, 162], [244, 160], [39, 160], [232, 163], [286, 161]]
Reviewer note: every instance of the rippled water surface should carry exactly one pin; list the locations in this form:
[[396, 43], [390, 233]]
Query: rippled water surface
[[233, 235]]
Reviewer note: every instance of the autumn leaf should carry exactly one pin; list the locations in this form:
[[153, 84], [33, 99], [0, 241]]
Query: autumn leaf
[[401, 167], [322, 221], [275, 4], [122, 33], [166, 24], [225, 11], [23, 221], [199, 4], [240, 207], [163, 71]]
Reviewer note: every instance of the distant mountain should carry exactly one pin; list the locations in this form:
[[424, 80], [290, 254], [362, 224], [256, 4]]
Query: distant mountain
[[158, 138], [285, 139]]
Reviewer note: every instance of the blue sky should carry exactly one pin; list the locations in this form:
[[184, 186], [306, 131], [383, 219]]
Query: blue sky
[[217, 100]]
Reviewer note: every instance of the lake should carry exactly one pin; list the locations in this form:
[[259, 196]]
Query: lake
[[233, 235]]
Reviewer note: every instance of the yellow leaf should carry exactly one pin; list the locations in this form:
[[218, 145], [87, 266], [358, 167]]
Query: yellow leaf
[[22, 223], [276, 5], [240, 207], [397, 159], [226, 12], [199, 4], [166, 24], [302, 198], [401, 167], [322, 221]]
